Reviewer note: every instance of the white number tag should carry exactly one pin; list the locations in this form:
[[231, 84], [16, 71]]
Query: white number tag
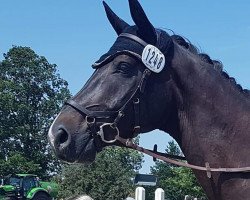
[[153, 58]]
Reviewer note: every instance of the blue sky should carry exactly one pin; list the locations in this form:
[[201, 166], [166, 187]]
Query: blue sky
[[74, 34]]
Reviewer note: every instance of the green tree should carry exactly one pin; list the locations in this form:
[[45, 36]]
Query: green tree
[[16, 163], [109, 177], [176, 181], [31, 93]]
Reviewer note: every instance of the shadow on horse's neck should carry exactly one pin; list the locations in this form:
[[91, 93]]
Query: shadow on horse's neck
[[209, 111]]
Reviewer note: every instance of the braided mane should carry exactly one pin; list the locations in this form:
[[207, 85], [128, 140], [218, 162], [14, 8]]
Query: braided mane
[[206, 58]]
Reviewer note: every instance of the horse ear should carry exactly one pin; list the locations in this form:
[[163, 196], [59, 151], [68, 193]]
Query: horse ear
[[146, 29], [117, 23]]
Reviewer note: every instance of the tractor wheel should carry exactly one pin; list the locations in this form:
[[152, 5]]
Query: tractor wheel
[[41, 196]]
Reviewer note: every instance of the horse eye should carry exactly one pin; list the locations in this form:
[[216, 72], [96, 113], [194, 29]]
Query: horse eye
[[124, 67]]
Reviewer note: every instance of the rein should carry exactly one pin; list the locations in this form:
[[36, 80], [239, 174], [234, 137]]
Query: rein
[[130, 144]]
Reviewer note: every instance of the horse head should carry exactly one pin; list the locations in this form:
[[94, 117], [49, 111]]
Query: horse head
[[122, 97]]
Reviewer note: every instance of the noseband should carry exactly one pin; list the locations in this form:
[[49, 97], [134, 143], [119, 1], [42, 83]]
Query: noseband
[[92, 117]]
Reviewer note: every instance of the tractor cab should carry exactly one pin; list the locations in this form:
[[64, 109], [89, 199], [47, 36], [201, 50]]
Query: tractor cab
[[19, 186], [27, 187]]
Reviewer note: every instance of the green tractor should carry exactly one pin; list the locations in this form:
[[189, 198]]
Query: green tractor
[[25, 187]]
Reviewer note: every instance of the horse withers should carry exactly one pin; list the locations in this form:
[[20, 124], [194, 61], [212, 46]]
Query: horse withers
[[150, 80]]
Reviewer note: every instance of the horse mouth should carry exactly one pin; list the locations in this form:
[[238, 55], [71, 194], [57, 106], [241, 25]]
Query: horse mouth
[[88, 153]]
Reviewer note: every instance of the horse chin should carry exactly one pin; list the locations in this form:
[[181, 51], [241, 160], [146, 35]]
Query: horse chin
[[88, 154]]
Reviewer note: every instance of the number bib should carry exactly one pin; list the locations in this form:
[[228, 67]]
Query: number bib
[[153, 58]]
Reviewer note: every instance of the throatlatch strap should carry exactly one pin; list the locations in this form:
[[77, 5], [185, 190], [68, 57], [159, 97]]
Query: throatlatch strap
[[137, 127]]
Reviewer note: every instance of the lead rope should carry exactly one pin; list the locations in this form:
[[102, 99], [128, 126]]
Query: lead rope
[[130, 144]]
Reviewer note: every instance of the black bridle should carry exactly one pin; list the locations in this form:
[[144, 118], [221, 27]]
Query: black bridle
[[92, 117]]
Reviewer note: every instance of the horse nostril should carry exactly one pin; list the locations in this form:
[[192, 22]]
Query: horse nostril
[[62, 138]]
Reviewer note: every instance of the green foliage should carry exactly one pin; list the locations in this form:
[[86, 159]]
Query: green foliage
[[173, 149], [176, 181], [109, 177], [16, 163], [31, 93]]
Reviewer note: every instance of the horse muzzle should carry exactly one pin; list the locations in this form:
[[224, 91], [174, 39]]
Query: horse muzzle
[[72, 147]]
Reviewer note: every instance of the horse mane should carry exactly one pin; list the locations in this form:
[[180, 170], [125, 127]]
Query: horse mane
[[217, 65]]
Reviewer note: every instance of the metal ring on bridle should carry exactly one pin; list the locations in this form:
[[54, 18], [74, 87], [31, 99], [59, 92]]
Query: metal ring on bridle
[[90, 120], [102, 134]]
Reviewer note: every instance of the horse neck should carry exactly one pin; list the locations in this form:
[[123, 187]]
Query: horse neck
[[212, 112]]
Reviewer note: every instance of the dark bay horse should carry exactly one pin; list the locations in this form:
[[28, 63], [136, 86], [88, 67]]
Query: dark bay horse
[[150, 80]]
